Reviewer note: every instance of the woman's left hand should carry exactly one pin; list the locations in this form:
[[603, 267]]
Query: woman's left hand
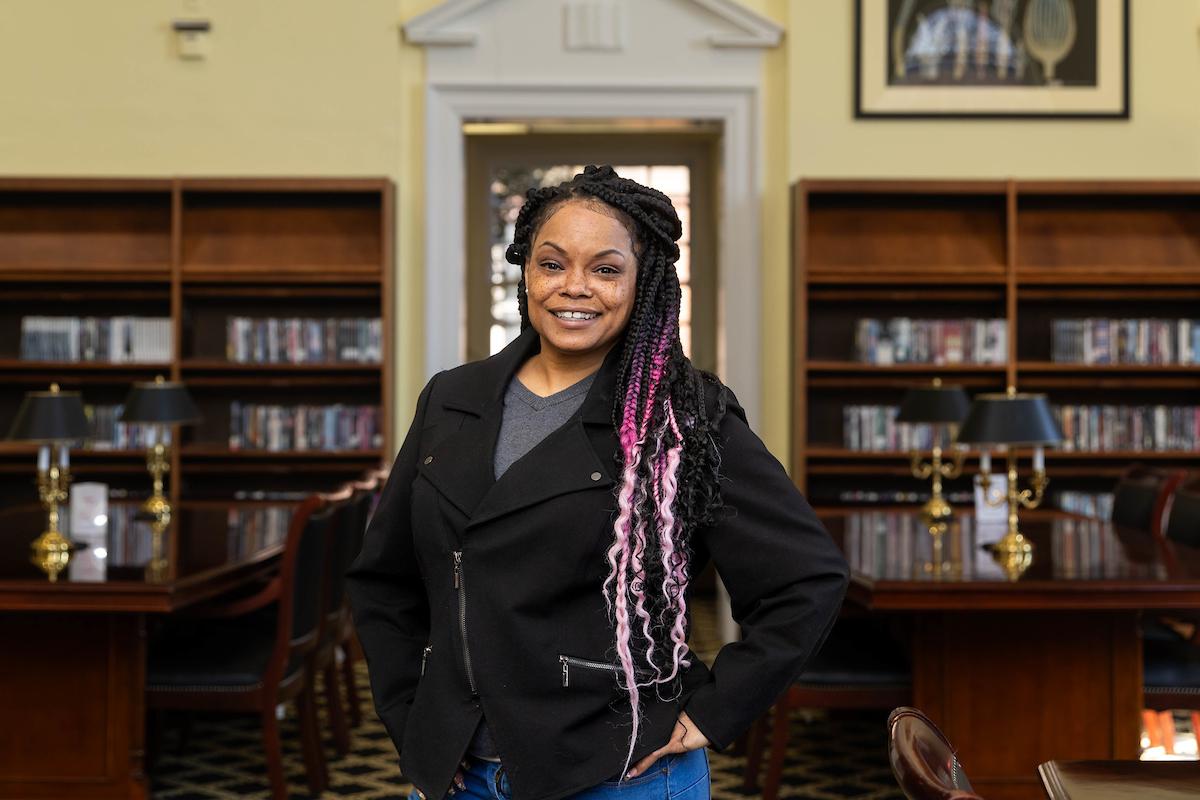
[[686, 736]]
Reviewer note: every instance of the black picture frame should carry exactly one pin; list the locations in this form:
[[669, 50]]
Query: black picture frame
[[944, 101]]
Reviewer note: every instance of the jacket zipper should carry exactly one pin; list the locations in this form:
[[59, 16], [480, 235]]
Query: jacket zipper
[[424, 656], [462, 617], [569, 661]]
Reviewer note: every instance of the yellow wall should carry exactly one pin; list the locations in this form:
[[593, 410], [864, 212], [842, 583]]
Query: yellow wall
[[298, 87], [295, 87]]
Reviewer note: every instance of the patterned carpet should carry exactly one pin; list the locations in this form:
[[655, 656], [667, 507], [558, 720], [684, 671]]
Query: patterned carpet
[[839, 757]]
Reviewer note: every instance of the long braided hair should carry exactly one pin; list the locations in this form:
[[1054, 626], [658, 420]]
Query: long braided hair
[[668, 455]]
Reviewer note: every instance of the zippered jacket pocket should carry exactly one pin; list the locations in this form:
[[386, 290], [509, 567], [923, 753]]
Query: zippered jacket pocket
[[425, 657], [582, 671]]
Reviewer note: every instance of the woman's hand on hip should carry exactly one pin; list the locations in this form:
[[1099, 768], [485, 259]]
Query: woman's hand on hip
[[686, 736]]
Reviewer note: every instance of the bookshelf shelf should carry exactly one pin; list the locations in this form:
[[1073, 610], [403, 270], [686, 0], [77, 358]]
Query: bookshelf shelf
[[224, 453], [22, 365], [311, 378], [1104, 369], [1032, 253], [198, 251], [281, 274], [205, 365], [1052, 454], [919, 369]]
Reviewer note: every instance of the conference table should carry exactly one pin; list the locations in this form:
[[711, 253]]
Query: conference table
[[1020, 667], [73, 670], [1120, 780]]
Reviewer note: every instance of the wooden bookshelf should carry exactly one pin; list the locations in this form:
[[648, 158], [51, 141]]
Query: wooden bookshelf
[[1028, 252], [198, 250]]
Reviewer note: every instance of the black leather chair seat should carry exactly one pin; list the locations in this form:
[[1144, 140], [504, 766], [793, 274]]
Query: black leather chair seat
[[858, 653], [1170, 666], [205, 654]]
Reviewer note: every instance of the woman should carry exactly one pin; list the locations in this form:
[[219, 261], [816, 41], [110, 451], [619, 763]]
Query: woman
[[521, 595]]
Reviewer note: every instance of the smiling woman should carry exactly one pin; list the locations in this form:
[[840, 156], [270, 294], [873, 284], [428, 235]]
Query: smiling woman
[[522, 593]]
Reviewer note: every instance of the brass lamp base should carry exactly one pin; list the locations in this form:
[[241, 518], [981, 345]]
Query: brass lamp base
[[1014, 553], [51, 552], [936, 511]]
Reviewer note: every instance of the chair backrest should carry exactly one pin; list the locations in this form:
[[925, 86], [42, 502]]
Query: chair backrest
[[1183, 516], [1140, 497], [344, 542], [923, 761], [299, 580]]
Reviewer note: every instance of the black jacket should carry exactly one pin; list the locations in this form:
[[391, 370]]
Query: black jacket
[[470, 591]]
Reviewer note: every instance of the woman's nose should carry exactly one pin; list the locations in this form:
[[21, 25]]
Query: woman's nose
[[576, 283]]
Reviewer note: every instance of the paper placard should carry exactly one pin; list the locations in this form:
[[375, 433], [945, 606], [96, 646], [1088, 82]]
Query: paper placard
[[987, 514], [89, 508]]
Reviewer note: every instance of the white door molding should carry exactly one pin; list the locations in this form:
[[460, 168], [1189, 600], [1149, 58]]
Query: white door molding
[[738, 282]]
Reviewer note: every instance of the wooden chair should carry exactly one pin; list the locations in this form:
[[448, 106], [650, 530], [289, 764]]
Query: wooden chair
[[1171, 663], [1141, 495], [254, 653], [1183, 514], [923, 760], [370, 486], [859, 666], [342, 543]]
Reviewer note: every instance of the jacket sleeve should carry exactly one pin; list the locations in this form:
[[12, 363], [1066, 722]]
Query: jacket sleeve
[[387, 594], [785, 576]]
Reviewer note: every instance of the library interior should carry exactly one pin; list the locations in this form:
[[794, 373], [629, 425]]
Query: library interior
[[874, 421]]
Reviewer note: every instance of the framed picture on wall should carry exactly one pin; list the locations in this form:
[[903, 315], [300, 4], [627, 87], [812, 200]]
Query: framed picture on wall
[[992, 58]]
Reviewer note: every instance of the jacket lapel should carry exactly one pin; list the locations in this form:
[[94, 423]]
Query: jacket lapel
[[577, 456]]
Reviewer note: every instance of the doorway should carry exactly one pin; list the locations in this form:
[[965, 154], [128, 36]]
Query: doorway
[[504, 160]]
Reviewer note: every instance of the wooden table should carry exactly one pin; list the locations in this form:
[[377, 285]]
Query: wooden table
[[1017, 672], [1121, 780], [72, 675]]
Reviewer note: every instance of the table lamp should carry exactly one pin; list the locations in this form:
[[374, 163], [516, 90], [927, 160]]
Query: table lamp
[[935, 405], [54, 419], [1006, 420], [158, 403]]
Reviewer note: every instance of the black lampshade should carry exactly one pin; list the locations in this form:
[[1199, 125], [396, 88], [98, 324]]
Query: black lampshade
[[159, 401], [51, 416], [934, 404], [1010, 419]]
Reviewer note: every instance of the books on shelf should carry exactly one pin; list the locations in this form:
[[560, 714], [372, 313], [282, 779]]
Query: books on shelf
[[897, 497], [874, 428], [252, 529], [106, 433], [304, 427], [1088, 504], [1101, 428], [96, 339], [1125, 341], [297, 340], [901, 340]]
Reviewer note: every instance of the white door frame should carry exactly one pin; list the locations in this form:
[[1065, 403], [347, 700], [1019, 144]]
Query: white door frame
[[738, 282]]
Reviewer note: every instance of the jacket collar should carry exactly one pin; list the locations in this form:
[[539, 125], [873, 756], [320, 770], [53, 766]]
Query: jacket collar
[[577, 456], [498, 371]]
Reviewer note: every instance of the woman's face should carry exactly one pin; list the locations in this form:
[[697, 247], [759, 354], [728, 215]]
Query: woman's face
[[580, 280]]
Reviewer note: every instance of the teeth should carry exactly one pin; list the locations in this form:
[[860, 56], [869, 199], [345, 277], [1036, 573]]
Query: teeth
[[574, 315]]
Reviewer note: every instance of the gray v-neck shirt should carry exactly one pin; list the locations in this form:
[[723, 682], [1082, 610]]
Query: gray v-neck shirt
[[528, 418]]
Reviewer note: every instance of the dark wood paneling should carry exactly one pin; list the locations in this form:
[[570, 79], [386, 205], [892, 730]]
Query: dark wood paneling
[[74, 683]]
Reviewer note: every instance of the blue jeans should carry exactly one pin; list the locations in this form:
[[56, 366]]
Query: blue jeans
[[676, 776]]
